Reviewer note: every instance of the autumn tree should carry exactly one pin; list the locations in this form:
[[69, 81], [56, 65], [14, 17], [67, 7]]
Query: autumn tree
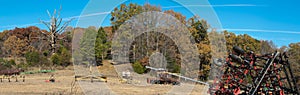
[[125, 12], [32, 36], [177, 15], [244, 41], [248, 43], [267, 47], [199, 30], [283, 49], [294, 59], [15, 46], [3, 37], [230, 39]]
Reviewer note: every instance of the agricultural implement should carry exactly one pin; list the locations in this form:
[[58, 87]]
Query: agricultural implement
[[10, 74], [165, 77], [91, 78], [245, 73]]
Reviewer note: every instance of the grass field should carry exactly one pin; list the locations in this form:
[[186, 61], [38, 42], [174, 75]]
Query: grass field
[[36, 84]]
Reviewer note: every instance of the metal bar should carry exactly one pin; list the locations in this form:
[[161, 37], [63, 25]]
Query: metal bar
[[252, 91], [287, 76], [293, 78]]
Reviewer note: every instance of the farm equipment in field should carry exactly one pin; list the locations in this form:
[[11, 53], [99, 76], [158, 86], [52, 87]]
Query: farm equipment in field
[[11, 73], [164, 78], [250, 74], [39, 71], [91, 78]]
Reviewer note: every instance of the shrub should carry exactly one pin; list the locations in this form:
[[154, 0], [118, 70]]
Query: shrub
[[32, 58], [23, 65], [46, 53], [7, 64], [55, 59], [12, 62], [2, 63], [66, 55], [138, 68], [173, 67], [2, 60]]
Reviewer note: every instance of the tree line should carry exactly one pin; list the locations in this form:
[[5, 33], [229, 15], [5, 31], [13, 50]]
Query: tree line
[[27, 47]]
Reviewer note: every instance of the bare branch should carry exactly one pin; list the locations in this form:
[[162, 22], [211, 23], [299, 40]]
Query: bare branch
[[54, 13], [44, 33], [55, 24], [58, 13], [49, 14], [65, 25], [47, 24], [60, 21], [61, 29]]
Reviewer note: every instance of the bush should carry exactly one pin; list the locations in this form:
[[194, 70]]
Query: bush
[[2, 63], [32, 58], [138, 68], [6, 64], [46, 53], [23, 65], [44, 61], [2, 60], [55, 59], [66, 55], [12, 62], [173, 67]]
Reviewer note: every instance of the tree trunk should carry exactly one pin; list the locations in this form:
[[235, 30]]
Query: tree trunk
[[102, 57], [52, 42]]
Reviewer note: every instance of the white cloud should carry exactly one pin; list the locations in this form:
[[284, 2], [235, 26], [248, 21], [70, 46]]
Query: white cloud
[[23, 25], [102, 13], [261, 30], [86, 15], [64, 19], [224, 5]]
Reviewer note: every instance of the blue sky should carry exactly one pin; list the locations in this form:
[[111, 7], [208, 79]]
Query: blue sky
[[263, 19]]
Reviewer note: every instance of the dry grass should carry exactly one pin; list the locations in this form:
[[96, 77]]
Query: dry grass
[[35, 84]]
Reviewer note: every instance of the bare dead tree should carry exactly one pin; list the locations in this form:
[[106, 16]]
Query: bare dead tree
[[55, 27]]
